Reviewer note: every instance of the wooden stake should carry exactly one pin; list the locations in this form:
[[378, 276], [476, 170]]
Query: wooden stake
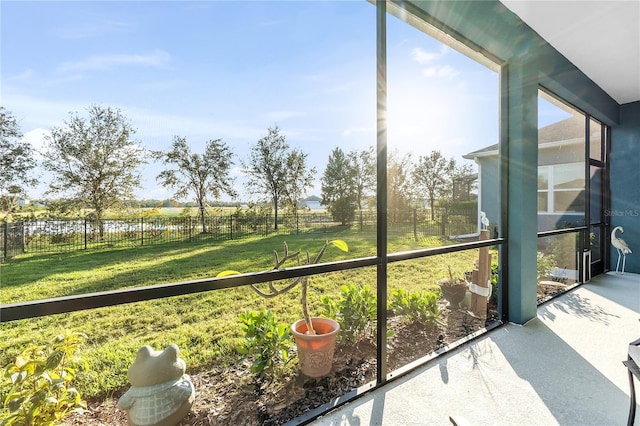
[[483, 274]]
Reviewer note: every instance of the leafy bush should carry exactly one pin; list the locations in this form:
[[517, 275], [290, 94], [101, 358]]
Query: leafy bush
[[269, 342], [419, 307], [495, 277], [60, 238], [546, 264], [40, 380], [355, 311]]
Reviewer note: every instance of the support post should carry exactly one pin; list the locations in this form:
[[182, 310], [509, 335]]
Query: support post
[[522, 186], [481, 280], [381, 172], [5, 226]]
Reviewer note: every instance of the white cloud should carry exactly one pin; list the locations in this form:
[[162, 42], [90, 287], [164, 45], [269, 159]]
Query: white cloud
[[33, 112], [25, 75], [36, 138], [422, 57], [440, 71], [357, 129], [237, 171], [157, 58]]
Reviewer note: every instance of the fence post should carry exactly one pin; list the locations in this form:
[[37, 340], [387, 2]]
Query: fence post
[[5, 226], [142, 230], [231, 227], [85, 233], [443, 221], [415, 224], [23, 237], [297, 225]]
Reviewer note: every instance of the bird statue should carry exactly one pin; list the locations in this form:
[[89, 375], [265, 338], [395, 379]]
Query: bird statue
[[484, 220], [621, 246]]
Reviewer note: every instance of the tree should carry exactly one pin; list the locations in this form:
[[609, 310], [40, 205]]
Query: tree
[[16, 160], [463, 181], [93, 160], [398, 186], [432, 175], [298, 181], [339, 187], [203, 175], [277, 171], [364, 168]]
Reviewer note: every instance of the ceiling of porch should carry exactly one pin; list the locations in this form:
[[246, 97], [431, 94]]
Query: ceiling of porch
[[602, 38]]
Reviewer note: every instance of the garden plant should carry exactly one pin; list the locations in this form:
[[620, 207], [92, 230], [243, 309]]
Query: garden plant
[[355, 311], [41, 391]]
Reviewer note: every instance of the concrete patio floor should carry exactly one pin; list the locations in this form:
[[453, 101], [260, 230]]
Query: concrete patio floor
[[562, 368]]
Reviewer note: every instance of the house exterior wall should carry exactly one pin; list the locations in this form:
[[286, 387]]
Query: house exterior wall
[[490, 184], [625, 183], [489, 187]]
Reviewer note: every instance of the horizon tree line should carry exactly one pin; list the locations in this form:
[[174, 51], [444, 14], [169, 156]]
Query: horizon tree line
[[94, 163]]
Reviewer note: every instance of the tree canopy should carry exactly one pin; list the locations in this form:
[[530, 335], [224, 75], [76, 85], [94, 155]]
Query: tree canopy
[[203, 175], [433, 176], [364, 169], [399, 188], [277, 171], [363, 163], [93, 161], [16, 160], [339, 187]]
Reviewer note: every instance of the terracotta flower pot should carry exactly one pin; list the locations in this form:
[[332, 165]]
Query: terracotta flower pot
[[453, 294], [315, 352]]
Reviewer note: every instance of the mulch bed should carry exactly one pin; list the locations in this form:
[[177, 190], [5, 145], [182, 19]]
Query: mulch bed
[[234, 396]]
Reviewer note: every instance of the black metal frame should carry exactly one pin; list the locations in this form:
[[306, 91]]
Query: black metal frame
[[52, 306], [605, 196]]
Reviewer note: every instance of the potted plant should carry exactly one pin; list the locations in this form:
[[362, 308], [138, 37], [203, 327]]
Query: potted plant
[[454, 289], [315, 336]]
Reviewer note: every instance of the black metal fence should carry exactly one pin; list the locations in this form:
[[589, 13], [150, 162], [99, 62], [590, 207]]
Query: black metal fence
[[60, 235], [12, 239]]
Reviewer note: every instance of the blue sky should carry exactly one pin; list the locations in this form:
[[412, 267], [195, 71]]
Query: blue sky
[[208, 70]]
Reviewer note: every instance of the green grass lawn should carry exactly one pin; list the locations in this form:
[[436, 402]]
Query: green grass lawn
[[205, 326]]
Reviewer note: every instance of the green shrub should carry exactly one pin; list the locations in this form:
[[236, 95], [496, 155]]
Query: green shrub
[[355, 311], [60, 238], [495, 276], [267, 341], [40, 380], [419, 307], [546, 264]]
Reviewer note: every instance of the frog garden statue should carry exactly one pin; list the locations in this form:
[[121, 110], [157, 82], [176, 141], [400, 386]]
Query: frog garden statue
[[161, 394]]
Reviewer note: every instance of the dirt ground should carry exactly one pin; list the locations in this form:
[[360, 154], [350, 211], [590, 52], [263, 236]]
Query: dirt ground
[[234, 395]]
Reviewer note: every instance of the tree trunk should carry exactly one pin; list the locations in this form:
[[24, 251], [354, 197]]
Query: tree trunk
[[100, 224], [431, 202], [275, 215], [204, 226]]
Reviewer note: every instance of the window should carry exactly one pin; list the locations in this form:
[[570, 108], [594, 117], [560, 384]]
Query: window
[[561, 188]]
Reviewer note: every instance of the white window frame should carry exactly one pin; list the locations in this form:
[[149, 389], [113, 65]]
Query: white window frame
[[550, 190]]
